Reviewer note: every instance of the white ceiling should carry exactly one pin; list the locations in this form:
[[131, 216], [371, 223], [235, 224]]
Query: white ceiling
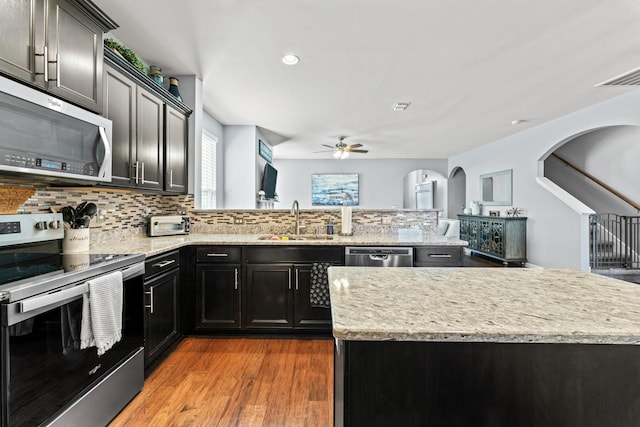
[[468, 67]]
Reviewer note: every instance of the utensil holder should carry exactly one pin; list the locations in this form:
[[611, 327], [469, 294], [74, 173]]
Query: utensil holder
[[76, 240]]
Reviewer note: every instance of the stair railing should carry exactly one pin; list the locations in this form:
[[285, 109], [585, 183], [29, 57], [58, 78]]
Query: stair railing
[[598, 182], [614, 241]]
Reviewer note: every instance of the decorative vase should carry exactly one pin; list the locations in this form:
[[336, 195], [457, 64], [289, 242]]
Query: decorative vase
[[155, 73], [475, 208], [173, 88]]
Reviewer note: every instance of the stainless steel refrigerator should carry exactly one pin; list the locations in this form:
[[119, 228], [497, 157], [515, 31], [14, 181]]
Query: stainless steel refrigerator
[[419, 190]]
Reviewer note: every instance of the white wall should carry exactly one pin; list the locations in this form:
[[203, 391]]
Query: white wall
[[609, 155], [214, 127], [240, 167], [381, 181], [557, 229], [190, 88]]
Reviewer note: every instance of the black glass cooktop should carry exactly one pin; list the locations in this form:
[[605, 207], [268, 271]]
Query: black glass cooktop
[[23, 262]]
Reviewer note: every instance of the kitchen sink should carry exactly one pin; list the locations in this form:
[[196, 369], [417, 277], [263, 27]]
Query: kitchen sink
[[286, 237]]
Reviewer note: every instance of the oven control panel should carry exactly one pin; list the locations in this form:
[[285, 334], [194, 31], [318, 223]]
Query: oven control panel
[[27, 228], [10, 227]]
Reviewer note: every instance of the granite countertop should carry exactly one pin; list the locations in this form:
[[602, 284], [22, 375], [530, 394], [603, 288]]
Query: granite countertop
[[156, 245], [483, 305]]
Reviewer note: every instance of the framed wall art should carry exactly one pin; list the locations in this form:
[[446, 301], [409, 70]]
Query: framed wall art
[[265, 151], [335, 189]]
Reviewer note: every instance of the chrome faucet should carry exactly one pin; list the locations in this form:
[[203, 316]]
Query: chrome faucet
[[295, 210]]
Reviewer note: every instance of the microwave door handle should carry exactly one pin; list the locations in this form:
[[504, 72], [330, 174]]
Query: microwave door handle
[[106, 163]]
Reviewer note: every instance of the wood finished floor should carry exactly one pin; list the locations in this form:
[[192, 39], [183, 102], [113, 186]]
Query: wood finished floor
[[238, 382], [243, 382]]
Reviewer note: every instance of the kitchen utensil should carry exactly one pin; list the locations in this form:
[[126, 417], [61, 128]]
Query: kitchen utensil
[[83, 221], [68, 215], [80, 209], [90, 209]]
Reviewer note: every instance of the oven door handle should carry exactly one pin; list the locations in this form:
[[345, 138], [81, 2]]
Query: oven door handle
[[35, 303]]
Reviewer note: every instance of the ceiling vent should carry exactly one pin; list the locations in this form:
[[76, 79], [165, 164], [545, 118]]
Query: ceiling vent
[[630, 78], [400, 106]]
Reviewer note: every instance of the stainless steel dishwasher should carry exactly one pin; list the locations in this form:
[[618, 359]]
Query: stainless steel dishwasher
[[378, 256]]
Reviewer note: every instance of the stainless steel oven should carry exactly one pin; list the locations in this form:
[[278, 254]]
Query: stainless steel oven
[[47, 379]]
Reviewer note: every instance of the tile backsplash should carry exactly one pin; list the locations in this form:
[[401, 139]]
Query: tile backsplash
[[123, 213]]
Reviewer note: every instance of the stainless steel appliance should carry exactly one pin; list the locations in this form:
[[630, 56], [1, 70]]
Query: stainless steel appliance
[[168, 225], [419, 189], [46, 378], [378, 256], [43, 135], [424, 195]]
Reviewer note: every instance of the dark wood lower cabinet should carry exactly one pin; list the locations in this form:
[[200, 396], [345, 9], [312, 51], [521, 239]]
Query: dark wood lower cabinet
[[306, 314], [486, 384], [162, 302], [269, 297], [218, 296], [278, 296], [277, 292]]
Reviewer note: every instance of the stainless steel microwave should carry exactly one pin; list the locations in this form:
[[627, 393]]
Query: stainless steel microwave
[[43, 135]]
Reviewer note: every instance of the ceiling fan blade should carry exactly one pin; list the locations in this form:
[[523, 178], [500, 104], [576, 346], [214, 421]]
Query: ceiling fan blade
[[324, 151], [328, 146], [355, 146], [358, 151]]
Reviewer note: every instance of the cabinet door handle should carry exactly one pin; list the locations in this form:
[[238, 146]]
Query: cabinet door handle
[[297, 279], [440, 255], [164, 263], [136, 166], [217, 254], [150, 306], [57, 62], [142, 173], [45, 62], [170, 178], [289, 270], [236, 273]]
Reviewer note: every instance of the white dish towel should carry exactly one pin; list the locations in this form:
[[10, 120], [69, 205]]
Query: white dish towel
[[102, 313]]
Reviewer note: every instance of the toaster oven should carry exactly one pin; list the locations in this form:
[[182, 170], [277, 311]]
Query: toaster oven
[[168, 225]]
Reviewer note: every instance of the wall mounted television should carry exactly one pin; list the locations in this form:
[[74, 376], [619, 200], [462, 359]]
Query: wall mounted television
[[269, 179]]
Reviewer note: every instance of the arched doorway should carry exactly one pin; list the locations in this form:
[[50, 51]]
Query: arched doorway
[[457, 192]]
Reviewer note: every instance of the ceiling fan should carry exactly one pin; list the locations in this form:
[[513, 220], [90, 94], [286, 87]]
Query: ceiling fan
[[342, 150]]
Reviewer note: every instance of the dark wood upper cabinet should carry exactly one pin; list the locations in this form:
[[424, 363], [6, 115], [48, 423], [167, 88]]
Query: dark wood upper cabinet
[[175, 151], [137, 118], [55, 45], [150, 129]]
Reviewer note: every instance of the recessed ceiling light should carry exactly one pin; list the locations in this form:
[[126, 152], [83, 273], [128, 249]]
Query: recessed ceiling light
[[400, 106], [290, 59]]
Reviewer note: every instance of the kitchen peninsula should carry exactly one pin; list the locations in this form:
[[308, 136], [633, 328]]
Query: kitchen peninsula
[[156, 245], [499, 347], [206, 283]]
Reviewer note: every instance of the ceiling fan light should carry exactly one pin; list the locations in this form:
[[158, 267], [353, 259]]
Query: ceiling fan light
[[337, 154], [344, 155]]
